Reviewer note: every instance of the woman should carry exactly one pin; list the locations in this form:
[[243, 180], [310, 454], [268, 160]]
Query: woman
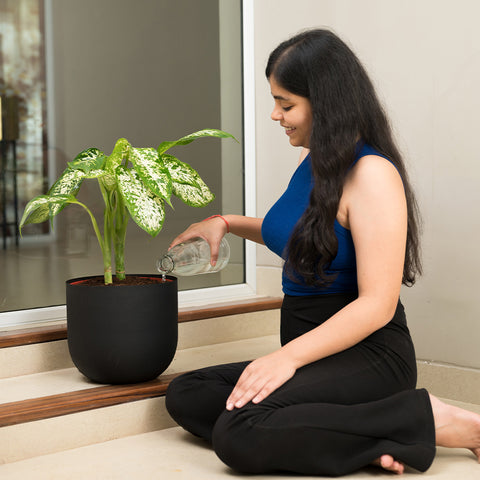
[[340, 392]]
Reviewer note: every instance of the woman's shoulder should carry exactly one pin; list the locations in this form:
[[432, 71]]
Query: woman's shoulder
[[369, 161], [372, 175], [372, 182], [373, 170]]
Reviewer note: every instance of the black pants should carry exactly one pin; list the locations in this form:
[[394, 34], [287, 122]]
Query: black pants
[[333, 417]]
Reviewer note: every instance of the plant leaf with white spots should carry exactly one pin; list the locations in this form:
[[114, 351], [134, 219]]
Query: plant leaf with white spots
[[151, 170], [146, 209], [180, 172], [209, 132], [41, 208], [67, 184], [192, 195], [187, 183], [120, 153], [88, 160]]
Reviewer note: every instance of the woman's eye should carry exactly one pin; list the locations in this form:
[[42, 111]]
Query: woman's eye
[[286, 109]]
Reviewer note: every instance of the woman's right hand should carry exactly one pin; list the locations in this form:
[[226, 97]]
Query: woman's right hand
[[212, 230]]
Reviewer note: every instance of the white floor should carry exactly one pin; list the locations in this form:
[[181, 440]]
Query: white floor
[[173, 454]]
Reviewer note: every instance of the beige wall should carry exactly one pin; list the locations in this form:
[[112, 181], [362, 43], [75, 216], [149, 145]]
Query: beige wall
[[424, 56]]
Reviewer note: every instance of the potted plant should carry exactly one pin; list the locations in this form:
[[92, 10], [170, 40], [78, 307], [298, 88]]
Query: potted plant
[[123, 328]]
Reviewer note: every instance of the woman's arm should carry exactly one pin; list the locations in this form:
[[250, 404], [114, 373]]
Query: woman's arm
[[249, 228], [214, 229], [375, 210]]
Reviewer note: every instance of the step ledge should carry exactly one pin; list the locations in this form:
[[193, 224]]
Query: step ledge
[[49, 333], [55, 404], [30, 410]]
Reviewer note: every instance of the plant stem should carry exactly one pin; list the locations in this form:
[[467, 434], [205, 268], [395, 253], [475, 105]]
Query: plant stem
[[121, 222], [108, 229], [107, 238], [107, 253], [116, 217], [102, 242]]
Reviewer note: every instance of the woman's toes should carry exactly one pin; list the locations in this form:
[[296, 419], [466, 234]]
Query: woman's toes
[[387, 462]]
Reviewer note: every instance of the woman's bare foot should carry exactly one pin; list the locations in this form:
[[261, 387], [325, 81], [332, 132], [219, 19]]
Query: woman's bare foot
[[455, 427], [387, 462]]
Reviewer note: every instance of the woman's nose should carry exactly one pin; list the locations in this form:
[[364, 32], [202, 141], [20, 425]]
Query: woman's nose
[[276, 114]]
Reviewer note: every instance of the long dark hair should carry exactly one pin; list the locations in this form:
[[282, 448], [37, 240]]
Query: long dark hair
[[317, 65]]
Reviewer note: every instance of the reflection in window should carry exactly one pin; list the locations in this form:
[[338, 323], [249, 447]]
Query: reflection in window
[[22, 88]]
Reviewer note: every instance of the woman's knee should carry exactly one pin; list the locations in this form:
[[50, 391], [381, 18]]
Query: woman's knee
[[236, 443], [177, 397]]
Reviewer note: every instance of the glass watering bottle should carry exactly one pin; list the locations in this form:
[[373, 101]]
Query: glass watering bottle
[[193, 258]]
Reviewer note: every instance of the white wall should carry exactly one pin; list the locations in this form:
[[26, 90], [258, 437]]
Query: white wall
[[424, 57]]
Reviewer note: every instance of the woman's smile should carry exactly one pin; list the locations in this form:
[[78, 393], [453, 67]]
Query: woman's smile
[[294, 113]]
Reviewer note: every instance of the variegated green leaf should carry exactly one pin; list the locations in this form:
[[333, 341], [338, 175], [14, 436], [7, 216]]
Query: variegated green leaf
[[146, 209], [119, 154], [67, 184], [187, 183], [192, 195], [180, 172], [37, 210], [88, 160], [40, 208], [152, 172], [209, 132]]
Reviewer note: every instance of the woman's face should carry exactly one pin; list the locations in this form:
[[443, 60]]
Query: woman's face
[[294, 114]]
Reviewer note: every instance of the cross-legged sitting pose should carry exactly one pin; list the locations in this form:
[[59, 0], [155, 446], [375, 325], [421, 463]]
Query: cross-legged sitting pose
[[340, 393]]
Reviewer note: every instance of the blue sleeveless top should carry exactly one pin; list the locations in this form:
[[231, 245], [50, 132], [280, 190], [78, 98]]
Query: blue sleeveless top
[[281, 219]]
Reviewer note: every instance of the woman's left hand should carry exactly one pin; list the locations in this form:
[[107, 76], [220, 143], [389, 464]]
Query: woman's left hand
[[260, 378]]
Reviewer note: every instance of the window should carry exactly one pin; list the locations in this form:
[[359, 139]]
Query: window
[[146, 71]]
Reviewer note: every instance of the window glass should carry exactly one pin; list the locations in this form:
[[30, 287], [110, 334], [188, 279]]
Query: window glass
[[82, 74]]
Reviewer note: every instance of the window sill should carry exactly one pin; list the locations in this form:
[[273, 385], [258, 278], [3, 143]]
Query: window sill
[[58, 331]]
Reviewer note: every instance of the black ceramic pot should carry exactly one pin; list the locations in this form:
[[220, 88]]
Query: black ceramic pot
[[122, 333]]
